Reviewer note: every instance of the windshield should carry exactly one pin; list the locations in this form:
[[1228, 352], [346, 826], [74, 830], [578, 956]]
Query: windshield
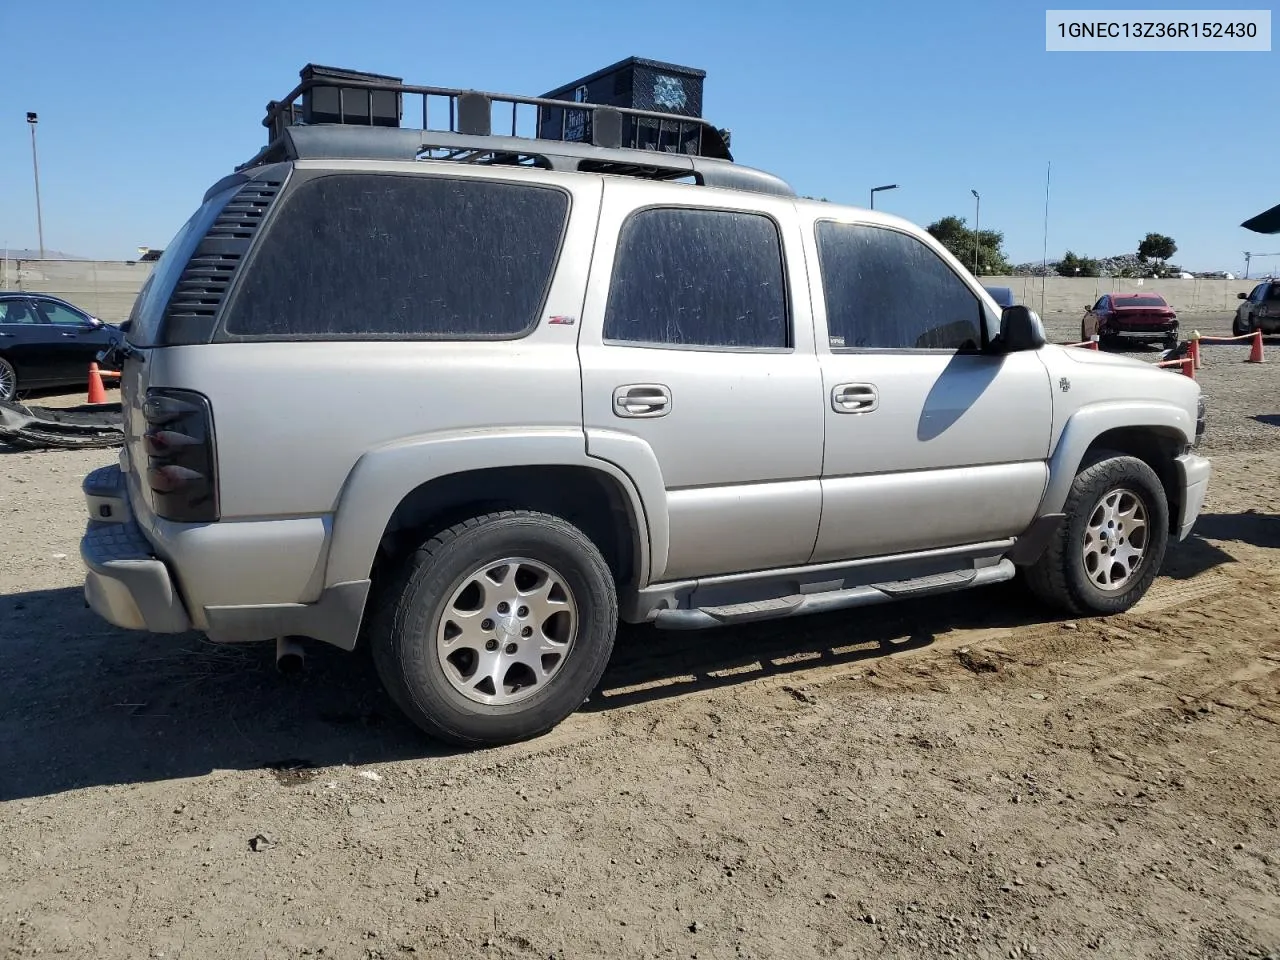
[[1122, 302], [148, 308]]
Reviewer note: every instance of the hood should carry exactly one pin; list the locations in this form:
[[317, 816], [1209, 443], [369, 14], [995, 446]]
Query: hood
[[1101, 359]]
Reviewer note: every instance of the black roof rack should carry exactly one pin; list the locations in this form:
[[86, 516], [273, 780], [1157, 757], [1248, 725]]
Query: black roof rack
[[346, 114]]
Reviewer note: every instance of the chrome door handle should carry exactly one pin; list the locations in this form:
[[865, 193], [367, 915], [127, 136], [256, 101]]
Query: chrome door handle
[[854, 398], [642, 400], [68, 334]]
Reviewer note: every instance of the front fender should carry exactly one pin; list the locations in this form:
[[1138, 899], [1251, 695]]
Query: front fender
[[383, 477], [1091, 422]]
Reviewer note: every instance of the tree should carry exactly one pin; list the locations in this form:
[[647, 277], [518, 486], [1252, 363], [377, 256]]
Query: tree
[[1072, 266], [1156, 246], [952, 233]]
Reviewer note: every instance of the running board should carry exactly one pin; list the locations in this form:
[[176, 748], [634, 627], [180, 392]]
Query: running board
[[795, 606]]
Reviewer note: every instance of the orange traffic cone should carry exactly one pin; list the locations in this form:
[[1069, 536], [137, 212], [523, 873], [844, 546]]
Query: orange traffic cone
[[1195, 350], [1255, 350], [97, 393]]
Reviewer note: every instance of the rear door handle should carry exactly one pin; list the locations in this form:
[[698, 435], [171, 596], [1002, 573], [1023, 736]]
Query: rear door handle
[[642, 400], [854, 398]]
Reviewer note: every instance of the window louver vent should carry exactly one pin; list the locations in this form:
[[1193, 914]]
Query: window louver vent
[[204, 282]]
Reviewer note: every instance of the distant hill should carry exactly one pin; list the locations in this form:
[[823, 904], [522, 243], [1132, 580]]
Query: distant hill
[[24, 254]]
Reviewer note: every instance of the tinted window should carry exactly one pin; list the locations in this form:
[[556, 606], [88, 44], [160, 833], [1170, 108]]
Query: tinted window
[[1141, 302], [698, 278], [57, 313], [1273, 292], [16, 311], [376, 255], [885, 289]]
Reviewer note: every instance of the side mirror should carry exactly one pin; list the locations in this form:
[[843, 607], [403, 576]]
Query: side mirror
[[1020, 329], [1242, 296], [124, 326]]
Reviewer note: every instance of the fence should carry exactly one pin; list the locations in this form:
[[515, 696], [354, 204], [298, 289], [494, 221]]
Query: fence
[[104, 288]]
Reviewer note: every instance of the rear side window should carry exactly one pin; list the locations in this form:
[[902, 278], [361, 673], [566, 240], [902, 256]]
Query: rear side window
[[148, 306], [698, 278], [384, 256], [887, 290]]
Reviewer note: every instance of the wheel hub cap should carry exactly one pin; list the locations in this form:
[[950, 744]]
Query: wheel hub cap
[[506, 631], [1115, 540]]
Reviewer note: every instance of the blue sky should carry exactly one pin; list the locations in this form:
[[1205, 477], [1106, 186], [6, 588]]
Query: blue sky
[[144, 104]]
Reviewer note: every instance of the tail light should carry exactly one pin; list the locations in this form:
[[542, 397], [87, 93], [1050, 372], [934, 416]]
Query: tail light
[[181, 462]]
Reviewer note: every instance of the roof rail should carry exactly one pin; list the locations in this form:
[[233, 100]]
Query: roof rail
[[346, 114]]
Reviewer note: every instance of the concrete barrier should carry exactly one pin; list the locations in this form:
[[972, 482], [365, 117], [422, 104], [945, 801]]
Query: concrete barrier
[[104, 288], [1071, 295]]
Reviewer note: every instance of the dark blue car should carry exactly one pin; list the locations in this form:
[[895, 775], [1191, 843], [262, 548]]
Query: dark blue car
[[47, 342]]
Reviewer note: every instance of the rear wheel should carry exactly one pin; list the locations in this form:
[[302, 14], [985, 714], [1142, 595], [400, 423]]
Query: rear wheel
[[496, 629], [8, 380], [1111, 545]]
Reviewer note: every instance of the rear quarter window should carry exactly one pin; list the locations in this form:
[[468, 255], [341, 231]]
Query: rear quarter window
[[385, 256]]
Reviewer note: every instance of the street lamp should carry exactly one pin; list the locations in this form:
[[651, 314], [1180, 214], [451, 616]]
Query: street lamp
[[977, 225], [32, 120], [875, 190]]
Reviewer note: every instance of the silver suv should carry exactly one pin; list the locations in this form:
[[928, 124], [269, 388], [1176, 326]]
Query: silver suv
[[471, 399]]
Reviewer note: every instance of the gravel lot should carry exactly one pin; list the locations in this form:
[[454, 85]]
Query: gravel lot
[[961, 778]]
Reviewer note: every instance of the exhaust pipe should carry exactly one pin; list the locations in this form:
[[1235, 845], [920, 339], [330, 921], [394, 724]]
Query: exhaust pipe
[[289, 655]]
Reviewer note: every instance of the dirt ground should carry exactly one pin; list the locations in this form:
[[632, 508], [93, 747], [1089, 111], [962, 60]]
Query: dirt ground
[[964, 777]]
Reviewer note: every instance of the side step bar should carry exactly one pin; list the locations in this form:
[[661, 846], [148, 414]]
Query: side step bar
[[794, 606]]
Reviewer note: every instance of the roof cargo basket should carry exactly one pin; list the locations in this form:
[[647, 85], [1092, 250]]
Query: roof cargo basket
[[336, 113]]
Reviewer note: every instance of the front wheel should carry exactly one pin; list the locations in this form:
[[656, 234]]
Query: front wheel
[[496, 629], [1111, 545], [1239, 327], [8, 380]]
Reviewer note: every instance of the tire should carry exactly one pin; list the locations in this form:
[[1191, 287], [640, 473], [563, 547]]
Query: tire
[[8, 380], [454, 584], [1170, 341], [1068, 575], [1238, 327]]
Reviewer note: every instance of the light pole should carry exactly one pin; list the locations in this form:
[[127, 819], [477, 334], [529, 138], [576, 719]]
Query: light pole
[[32, 120], [977, 225], [875, 190]]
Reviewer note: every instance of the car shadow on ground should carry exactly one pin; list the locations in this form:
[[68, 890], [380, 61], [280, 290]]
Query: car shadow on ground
[[83, 704]]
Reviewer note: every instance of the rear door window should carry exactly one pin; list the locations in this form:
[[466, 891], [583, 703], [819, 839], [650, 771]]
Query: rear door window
[[17, 311], [388, 256], [698, 278]]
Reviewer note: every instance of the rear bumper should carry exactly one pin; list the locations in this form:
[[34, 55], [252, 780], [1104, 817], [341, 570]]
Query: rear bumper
[[238, 582], [1193, 476], [125, 584], [1155, 331]]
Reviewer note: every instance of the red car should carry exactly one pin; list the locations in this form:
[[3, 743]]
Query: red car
[[1131, 316]]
